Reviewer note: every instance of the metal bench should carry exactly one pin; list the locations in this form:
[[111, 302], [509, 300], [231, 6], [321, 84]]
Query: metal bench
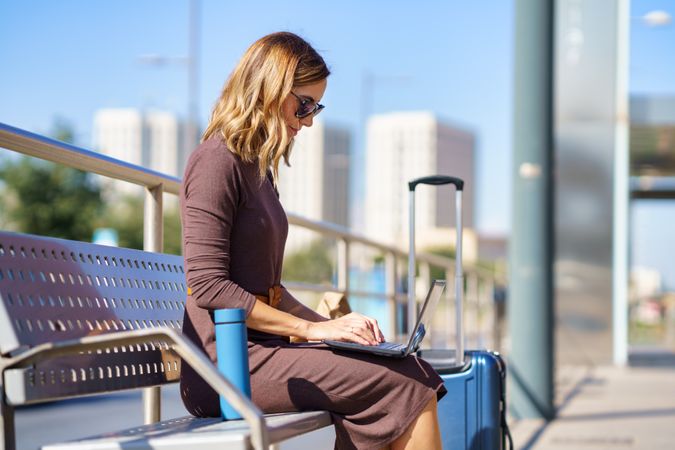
[[79, 319]]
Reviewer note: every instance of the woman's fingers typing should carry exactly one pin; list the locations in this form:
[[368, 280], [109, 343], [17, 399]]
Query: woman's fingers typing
[[353, 327], [360, 334], [375, 327]]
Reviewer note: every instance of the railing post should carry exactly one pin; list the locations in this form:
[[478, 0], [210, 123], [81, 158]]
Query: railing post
[[153, 224], [472, 294], [480, 308], [492, 313], [422, 285], [7, 426], [460, 307], [451, 309], [390, 280], [343, 265], [153, 241], [425, 278]]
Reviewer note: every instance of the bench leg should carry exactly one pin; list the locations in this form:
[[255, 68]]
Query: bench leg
[[7, 437], [152, 405]]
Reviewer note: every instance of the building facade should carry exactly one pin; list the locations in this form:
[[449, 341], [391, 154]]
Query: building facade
[[406, 145], [652, 135], [316, 186], [151, 139]]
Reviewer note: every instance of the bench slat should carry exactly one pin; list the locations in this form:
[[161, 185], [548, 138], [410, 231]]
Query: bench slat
[[54, 290], [73, 376], [205, 434]]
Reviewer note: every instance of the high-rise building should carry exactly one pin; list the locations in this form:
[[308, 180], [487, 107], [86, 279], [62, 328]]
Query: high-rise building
[[151, 139], [652, 110], [166, 144], [119, 133], [406, 145], [316, 186], [652, 135]]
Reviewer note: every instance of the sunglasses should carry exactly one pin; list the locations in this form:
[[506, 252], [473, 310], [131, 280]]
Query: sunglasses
[[307, 107]]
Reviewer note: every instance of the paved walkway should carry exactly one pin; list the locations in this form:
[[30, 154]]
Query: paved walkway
[[601, 408], [606, 408], [73, 419]]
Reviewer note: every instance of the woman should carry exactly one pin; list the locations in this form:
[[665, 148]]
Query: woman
[[234, 230]]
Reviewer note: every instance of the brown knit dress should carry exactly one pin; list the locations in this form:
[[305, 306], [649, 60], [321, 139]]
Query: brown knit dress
[[234, 232]]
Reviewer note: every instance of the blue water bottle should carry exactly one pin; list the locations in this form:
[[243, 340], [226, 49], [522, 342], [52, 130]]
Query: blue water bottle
[[232, 353]]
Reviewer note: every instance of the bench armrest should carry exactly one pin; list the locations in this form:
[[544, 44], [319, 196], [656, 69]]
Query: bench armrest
[[185, 349]]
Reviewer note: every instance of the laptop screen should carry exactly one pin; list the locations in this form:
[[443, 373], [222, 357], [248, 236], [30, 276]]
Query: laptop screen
[[425, 314]]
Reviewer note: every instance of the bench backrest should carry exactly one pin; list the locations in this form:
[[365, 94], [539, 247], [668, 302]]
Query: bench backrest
[[55, 289]]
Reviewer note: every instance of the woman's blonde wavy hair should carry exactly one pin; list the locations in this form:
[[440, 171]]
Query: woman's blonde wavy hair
[[248, 113]]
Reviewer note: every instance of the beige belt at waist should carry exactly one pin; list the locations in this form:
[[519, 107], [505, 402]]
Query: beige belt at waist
[[273, 298]]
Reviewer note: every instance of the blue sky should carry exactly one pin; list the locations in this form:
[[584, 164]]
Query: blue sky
[[68, 58], [652, 72]]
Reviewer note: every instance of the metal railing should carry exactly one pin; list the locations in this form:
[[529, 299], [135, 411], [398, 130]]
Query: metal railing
[[480, 282]]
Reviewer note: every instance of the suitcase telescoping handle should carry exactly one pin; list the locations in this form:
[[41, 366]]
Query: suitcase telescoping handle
[[438, 180]]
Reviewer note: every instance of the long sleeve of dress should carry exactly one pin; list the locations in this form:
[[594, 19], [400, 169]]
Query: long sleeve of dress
[[213, 191]]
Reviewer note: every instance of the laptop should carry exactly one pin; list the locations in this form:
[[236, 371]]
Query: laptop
[[397, 350]]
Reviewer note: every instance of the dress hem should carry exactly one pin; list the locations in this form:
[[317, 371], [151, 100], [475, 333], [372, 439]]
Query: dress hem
[[416, 412]]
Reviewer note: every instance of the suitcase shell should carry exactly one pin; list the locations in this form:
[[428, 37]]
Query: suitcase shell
[[472, 415]]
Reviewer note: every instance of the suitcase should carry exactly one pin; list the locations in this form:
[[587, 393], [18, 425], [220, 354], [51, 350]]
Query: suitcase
[[472, 415]]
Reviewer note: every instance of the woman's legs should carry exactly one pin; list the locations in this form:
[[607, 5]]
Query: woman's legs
[[423, 432]]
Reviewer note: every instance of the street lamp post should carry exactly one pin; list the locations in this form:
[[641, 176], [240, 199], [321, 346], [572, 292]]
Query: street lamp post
[[152, 395], [368, 83], [191, 62], [192, 128]]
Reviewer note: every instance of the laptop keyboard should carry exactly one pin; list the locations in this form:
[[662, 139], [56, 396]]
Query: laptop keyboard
[[391, 346]]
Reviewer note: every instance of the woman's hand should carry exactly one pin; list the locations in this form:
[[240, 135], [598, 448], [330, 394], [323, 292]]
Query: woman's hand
[[353, 327]]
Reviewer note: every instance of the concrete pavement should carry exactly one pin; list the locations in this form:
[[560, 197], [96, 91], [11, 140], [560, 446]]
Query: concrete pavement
[[606, 408], [600, 408], [73, 419]]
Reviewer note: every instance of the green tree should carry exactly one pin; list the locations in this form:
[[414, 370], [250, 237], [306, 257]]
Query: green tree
[[62, 130], [126, 216], [43, 198], [172, 232]]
